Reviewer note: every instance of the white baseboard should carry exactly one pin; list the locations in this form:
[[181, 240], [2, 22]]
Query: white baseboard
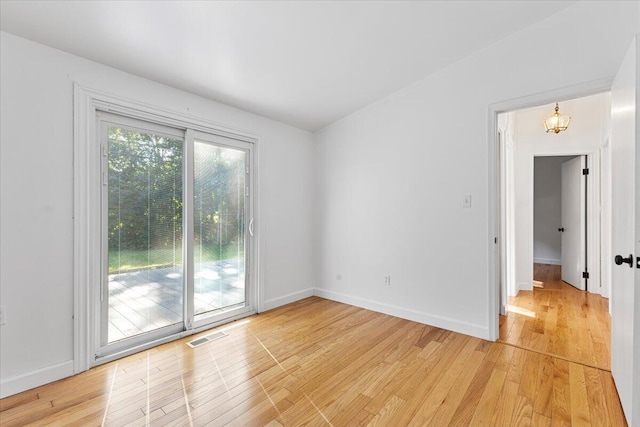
[[547, 261], [527, 286], [20, 383], [287, 299], [404, 313]]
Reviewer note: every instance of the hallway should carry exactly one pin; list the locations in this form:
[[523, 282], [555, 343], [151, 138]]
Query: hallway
[[559, 320]]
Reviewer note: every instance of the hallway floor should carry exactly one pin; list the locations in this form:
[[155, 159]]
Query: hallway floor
[[559, 320]]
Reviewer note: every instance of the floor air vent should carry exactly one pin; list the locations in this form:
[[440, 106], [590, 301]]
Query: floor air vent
[[207, 338]]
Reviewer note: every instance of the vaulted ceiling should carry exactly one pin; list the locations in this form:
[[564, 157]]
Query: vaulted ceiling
[[303, 63]]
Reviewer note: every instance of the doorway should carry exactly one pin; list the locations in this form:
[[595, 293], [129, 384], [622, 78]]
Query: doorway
[[541, 318], [176, 233], [559, 218]]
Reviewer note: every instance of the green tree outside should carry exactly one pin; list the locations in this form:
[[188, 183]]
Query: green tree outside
[[145, 208]]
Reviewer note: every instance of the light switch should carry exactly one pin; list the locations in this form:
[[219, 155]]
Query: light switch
[[466, 201]]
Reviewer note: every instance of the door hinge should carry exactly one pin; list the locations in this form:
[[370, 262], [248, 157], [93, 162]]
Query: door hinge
[[495, 240], [585, 275], [585, 171]]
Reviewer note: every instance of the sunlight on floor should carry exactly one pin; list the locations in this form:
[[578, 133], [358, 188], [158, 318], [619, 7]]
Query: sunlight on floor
[[235, 325], [522, 311]]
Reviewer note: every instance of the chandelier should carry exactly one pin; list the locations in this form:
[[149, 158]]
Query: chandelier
[[556, 123]]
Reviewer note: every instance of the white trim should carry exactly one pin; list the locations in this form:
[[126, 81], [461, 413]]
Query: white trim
[[288, 299], [525, 286], [507, 242], [86, 249], [29, 380], [558, 94], [493, 276], [547, 261], [188, 309], [258, 279], [606, 252], [501, 221], [594, 223], [408, 314], [140, 110], [87, 203]]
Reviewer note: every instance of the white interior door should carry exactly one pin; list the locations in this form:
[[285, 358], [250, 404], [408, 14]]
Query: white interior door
[[573, 222], [625, 300]]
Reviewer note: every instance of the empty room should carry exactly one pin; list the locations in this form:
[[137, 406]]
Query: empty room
[[319, 213]]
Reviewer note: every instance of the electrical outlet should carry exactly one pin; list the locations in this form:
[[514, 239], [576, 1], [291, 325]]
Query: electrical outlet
[[387, 280], [3, 315]]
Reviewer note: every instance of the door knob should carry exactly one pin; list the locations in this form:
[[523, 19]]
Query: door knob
[[619, 260], [561, 230]]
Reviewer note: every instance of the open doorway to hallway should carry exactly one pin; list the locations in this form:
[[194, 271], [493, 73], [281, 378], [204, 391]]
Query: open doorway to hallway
[[555, 319], [560, 217]]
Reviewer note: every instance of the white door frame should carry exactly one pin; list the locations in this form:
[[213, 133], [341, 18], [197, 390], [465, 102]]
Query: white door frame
[[606, 251], [560, 94]]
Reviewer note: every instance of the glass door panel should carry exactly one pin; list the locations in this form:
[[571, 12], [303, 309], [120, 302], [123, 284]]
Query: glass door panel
[[219, 222], [144, 280]]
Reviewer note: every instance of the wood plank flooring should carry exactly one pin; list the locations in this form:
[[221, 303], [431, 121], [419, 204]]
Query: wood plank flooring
[[318, 362], [559, 320]]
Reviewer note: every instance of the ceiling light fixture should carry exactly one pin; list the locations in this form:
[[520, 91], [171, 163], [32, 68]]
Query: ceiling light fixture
[[556, 123]]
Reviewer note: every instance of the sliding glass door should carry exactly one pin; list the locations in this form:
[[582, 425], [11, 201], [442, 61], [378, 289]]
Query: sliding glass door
[[175, 243], [221, 226]]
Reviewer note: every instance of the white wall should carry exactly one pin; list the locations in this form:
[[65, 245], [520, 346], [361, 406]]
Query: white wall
[[588, 131], [36, 86], [392, 175], [547, 209]]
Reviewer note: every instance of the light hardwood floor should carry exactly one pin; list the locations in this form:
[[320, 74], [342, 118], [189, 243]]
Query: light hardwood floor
[[559, 320], [318, 362]]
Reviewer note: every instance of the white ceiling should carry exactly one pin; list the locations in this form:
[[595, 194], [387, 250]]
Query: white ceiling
[[303, 63]]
